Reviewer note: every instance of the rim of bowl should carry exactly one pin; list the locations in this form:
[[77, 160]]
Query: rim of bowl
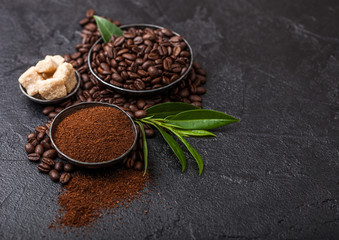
[[64, 113], [53, 101], [140, 92]]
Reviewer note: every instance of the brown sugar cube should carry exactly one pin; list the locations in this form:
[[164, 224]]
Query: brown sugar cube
[[56, 58], [48, 65], [52, 88], [66, 72], [29, 81]]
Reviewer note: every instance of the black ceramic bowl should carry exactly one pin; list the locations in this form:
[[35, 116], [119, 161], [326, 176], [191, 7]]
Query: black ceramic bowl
[[141, 92], [54, 101], [72, 109]]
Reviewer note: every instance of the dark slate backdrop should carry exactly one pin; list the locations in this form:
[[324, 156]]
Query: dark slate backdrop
[[274, 64]]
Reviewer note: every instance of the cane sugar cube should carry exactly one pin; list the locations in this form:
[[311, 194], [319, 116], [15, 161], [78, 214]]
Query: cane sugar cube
[[29, 80], [48, 65], [52, 88], [66, 72], [56, 58]]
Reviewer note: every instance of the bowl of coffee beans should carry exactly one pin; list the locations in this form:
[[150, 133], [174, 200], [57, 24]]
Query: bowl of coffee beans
[[146, 59], [93, 134]]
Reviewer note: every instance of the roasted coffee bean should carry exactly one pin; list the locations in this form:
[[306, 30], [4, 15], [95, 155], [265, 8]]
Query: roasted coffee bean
[[140, 85], [47, 110], [29, 147], [33, 157], [167, 32], [51, 153], [119, 41], [41, 135], [65, 178], [176, 51], [130, 163], [48, 161], [33, 141], [90, 13], [40, 129], [91, 27], [84, 21], [184, 93], [140, 114], [44, 168], [200, 90], [195, 98], [116, 77], [133, 108], [197, 104], [31, 136], [58, 109], [39, 149], [67, 58], [68, 167], [54, 175], [141, 104], [52, 115], [59, 166], [139, 166], [149, 132], [153, 71]]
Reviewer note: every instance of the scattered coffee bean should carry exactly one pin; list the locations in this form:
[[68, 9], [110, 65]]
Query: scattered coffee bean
[[45, 144], [51, 153], [39, 149], [41, 136], [31, 136], [33, 157], [44, 168], [68, 167], [65, 178], [40, 129], [54, 175], [48, 161], [29, 147], [139, 166], [149, 132], [33, 141], [140, 114], [59, 166]]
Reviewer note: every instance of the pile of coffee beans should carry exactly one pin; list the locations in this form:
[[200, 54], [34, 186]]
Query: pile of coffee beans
[[188, 91], [40, 150], [141, 59]]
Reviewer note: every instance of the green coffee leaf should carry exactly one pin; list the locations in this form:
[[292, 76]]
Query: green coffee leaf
[[194, 152], [107, 28], [195, 133], [144, 142], [174, 146], [163, 110], [200, 119]]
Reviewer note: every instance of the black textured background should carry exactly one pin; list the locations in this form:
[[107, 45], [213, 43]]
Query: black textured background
[[275, 175]]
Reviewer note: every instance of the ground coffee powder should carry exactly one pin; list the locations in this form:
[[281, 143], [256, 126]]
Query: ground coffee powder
[[94, 134], [89, 194]]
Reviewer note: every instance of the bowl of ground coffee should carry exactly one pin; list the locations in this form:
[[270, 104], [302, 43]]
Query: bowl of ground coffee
[[147, 59], [93, 134]]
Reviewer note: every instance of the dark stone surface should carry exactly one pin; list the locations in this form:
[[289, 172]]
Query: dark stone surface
[[274, 64]]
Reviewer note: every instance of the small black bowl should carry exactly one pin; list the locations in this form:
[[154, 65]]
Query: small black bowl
[[72, 109], [54, 101], [141, 92]]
